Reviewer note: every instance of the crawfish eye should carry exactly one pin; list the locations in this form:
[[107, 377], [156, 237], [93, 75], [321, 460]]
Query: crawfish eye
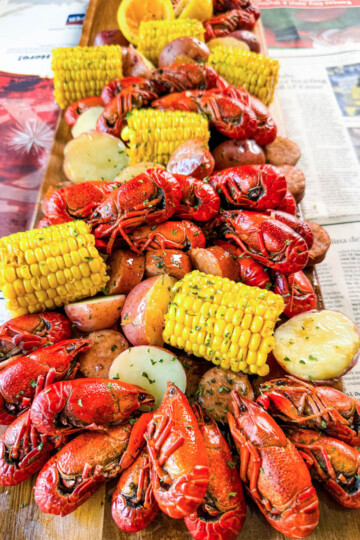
[[171, 391], [242, 408], [143, 397]]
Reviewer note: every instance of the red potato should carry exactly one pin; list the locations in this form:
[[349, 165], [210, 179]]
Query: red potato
[[174, 262], [95, 314], [135, 64], [192, 158], [295, 181], [110, 37], [248, 37], [107, 345], [320, 245], [184, 50], [234, 153], [216, 261], [282, 151], [142, 318], [126, 270]]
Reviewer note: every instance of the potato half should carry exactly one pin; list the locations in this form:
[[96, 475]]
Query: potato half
[[317, 345], [86, 121], [149, 367], [94, 156]]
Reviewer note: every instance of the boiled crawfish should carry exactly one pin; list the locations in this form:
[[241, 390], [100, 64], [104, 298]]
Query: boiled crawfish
[[28, 332], [296, 224], [332, 462], [25, 376], [77, 201], [74, 110], [23, 451], [199, 200], [267, 240], [225, 23], [229, 116], [183, 235], [257, 187], [68, 406], [251, 271], [297, 292], [222, 514], [296, 402], [133, 503], [266, 129], [271, 468], [77, 471], [179, 467], [288, 204], [151, 197], [220, 6]]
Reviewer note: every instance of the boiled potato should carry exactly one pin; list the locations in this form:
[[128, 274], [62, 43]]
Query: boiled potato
[[134, 170], [107, 345], [317, 345], [227, 41], [149, 367], [86, 121], [95, 314], [143, 313], [94, 156]]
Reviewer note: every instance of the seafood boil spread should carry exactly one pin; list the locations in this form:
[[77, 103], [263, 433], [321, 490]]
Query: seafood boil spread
[[165, 335]]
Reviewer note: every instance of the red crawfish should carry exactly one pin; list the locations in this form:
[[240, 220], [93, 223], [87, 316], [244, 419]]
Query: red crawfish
[[222, 514], [27, 332], [225, 23], [333, 463], [266, 239], [296, 224], [296, 402], [251, 271], [272, 470], [256, 187], [77, 471], [199, 200], [77, 201], [297, 292], [266, 129], [68, 406], [133, 505], [25, 376], [288, 204], [179, 466], [74, 110], [221, 6], [229, 116], [183, 235], [133, 95], [23, 451], [151, 197], [181, 77]]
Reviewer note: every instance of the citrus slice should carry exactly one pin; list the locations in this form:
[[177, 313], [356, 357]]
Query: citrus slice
[[132, 12], [194, 9]]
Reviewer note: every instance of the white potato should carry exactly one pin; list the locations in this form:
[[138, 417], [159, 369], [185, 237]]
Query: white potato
[[149, 367], [94, 156], [96, 313], [134, 170], [86, 121], [319, 345]]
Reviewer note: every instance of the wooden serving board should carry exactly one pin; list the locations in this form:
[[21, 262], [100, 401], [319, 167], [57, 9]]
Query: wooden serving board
[[20, 519]]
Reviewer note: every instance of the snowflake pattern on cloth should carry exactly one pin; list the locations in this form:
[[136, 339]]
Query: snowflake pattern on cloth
[[28, 117]]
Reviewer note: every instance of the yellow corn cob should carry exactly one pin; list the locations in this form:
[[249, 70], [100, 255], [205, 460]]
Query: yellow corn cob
[[257, 73], [154, 35], [81, 72], [228, 323], [153, 135], [46, 268]]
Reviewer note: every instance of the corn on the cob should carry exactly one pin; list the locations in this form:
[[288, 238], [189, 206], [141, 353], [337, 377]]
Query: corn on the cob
[[154, 35], [228, 323], [46, 268], [81, 72], [153, 135], [257, 73]]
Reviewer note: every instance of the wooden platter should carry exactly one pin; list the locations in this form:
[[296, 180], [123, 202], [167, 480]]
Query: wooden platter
[[19, 515]]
